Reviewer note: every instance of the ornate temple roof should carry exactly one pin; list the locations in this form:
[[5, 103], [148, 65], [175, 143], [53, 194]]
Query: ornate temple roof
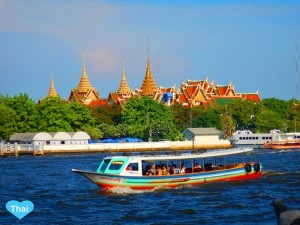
[[85, 92], [84, 83], [52, 92], [148, 86], [124, 88]]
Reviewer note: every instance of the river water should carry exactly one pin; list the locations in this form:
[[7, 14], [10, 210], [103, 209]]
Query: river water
[[63, 197]]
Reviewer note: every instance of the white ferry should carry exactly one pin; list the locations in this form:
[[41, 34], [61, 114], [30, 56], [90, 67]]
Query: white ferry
[[246, 138]]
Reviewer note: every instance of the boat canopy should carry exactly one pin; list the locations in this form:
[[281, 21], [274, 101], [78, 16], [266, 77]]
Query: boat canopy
[[212, 153]]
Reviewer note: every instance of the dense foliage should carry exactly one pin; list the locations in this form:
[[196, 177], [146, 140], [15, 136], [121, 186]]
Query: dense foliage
[[143, 117]]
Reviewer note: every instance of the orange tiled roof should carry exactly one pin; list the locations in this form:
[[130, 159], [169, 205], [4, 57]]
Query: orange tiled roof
[[251, 96]]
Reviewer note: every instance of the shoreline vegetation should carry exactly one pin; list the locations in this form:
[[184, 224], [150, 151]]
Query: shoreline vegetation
[[142, 117]]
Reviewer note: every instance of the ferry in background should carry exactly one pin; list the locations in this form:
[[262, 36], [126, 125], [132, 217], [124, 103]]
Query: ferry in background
[[246, 138], [284, 141]]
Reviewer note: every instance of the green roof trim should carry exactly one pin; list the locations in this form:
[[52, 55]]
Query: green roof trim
[[224, 101]]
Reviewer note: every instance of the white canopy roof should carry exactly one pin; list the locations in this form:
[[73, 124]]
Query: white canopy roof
[[51, 136]]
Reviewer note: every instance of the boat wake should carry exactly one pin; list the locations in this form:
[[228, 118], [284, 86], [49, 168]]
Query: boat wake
[[128, 190], [269, 173], [125, 191]]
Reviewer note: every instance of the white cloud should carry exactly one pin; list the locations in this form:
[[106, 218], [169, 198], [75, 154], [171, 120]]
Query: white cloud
[[103, 60]]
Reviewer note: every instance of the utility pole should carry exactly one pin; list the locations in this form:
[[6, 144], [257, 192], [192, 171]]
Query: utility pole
[[297, 81]]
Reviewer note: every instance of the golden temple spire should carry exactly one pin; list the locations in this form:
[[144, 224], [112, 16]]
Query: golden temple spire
[[84, 83], [148, 86], [52, 91], [124, 88]]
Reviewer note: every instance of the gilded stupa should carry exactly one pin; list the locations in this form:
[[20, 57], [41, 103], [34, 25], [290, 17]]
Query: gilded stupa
[[52, 92], [148, 86], [124, 88], [85, 92]]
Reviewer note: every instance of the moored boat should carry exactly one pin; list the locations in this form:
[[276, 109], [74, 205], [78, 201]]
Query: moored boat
[[284, 141], [246, 138], [288, 144], [135, 172]]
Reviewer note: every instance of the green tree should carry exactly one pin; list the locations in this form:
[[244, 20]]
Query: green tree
[[109, 114], [276, 105], [243, 112], [79, 116], [269, 120], [292, 119], [94, 132], [208, 118], [147, 119], [228, 125], [182, 116], [54, 115], [25, 109], [8, 122]]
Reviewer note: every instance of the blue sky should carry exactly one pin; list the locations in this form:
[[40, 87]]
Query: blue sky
[[248, 43]]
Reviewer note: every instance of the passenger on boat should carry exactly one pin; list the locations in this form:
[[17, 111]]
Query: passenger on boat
[[128, 168], [146, 171], [151, 170], [197, 166], [169, 169], [175, 170], [158, 170], [182, 168], [164, 170]]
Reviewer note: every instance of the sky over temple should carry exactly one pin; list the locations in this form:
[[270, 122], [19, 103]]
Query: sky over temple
[[249, 43]]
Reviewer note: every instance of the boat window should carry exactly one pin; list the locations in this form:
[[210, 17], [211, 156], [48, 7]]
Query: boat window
[[104, 165], [132, 167], [116, 165]]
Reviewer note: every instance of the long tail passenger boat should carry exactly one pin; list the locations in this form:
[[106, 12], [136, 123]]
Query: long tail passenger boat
[[171, 171]]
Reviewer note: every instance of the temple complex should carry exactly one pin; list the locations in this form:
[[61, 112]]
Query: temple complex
[[191, 93], [204, 93], [85, 92]]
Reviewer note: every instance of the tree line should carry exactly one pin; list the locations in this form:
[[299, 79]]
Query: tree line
[[143, 117]]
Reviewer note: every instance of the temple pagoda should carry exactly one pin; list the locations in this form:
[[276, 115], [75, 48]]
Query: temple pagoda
[[124, 88], [85, 92], [52, 92], [148, 87], [123, 93]]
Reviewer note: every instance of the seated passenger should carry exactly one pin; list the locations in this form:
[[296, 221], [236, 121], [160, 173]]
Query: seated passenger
[[164, 170], [128, 168], [175, 170], [146, 171], [169, 169], [197, 166], [151, 170], [158, 170], [182, 169]]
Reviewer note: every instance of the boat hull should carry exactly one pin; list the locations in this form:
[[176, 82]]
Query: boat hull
[[107, 181], [284, 146]]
